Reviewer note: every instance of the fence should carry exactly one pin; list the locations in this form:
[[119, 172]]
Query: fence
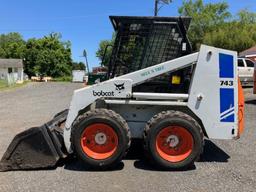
[[8, 81]]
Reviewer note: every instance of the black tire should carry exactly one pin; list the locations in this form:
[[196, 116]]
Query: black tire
[[172, 118], [110, 118]]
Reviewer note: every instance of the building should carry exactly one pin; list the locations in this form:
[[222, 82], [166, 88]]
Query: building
[[249, 53], [13, 68], [99, 70]]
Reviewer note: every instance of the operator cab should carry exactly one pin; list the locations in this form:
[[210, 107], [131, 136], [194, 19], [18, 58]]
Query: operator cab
[[146, 41]]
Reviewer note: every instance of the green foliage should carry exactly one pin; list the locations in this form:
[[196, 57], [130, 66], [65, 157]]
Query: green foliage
[[78, 66], [12, 45], [205, 18], [212, 24], [237, 35], [246, 17], [233, 36], [47, 56], [105, 47]]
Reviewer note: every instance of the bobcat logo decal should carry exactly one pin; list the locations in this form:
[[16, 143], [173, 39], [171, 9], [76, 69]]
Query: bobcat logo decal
[[119, 87]]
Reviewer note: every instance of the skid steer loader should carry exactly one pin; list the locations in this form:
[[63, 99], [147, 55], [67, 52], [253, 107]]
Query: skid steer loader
[[157, 90]]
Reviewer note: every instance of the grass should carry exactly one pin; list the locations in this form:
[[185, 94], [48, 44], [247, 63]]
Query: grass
[[63, 79], [4, 85]]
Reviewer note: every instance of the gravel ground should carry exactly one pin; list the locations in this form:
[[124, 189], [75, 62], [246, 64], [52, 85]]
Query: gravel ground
[[225, 165]]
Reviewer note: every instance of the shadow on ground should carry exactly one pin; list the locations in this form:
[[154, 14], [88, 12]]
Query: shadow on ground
[[135, 152], [212, 153], [75, 165]]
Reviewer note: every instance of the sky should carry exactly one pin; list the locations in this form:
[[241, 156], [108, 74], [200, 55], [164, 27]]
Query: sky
[[85, 23]]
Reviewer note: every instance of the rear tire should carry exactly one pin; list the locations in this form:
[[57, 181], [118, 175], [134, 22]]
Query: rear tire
[[173, 140], [100, 138]]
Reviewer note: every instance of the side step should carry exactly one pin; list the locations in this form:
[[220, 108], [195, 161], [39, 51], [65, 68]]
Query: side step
[[36, 148]]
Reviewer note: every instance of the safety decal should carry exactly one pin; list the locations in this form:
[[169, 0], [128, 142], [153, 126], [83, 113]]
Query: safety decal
[[227, 108], [226, 66], [226, 73]]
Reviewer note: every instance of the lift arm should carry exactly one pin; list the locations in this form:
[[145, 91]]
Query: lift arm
[[119, 87]]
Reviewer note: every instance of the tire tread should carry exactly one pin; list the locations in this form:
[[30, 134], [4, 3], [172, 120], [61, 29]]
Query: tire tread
[[107, 113], [163, 115]]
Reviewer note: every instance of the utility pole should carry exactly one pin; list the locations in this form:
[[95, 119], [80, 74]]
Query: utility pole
[[164, 2], [86, 60], [156, 7]]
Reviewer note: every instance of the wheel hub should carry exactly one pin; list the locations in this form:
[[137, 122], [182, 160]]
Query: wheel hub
[[100, 138], [172, 141]]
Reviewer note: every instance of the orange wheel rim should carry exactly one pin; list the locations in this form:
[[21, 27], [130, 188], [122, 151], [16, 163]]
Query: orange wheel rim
[[99, 141], [174, 143]]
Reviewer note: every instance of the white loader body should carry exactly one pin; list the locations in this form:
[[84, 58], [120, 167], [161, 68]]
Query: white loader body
[[212, 97]]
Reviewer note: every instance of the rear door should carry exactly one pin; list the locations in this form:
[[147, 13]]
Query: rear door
[[242, 73]]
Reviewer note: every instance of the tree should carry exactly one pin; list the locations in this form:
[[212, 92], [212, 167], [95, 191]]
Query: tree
[[232, 36], [48, 56], [246, 17], [237, 35], [12, 45], [105, 50], [205, 18], [78, 66]]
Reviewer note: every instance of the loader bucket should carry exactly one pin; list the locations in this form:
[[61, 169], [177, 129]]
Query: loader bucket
[[35, 148]]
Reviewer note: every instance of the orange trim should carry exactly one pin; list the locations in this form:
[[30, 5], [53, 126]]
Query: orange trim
[[240, 109], [95, 150], [183, 148]]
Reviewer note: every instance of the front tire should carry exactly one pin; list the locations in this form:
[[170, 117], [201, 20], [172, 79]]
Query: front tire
[[173, 140], [100, 138]]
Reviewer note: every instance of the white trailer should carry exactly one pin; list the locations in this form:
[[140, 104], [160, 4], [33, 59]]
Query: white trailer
[[78, 76]]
